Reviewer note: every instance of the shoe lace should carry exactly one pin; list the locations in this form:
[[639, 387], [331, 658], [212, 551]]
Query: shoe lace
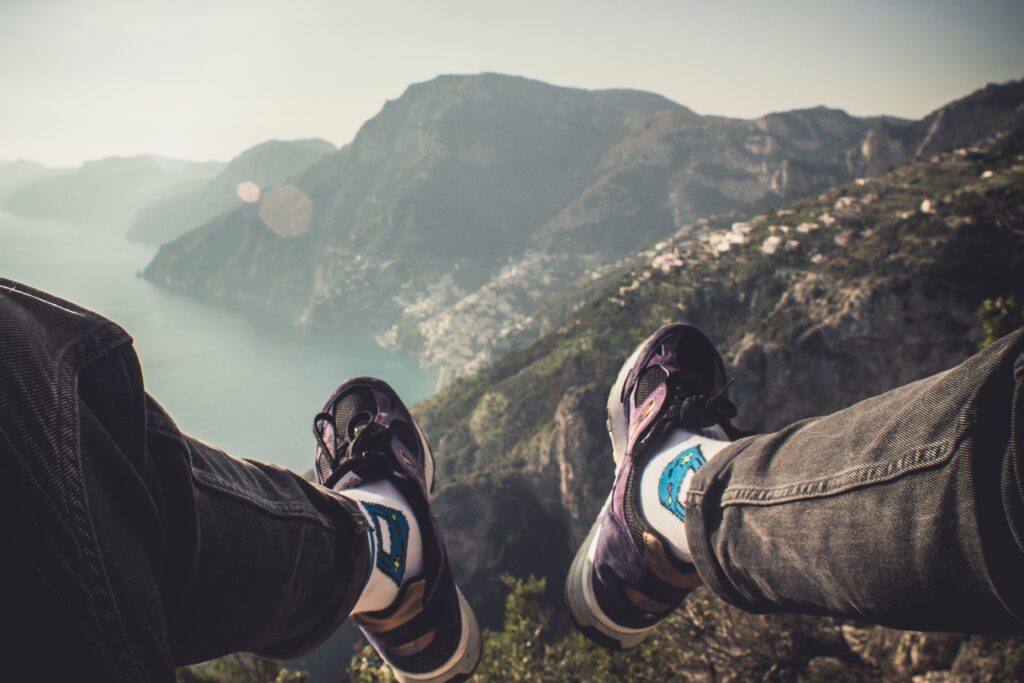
[[700, 410], [691, 410], [365, 451]]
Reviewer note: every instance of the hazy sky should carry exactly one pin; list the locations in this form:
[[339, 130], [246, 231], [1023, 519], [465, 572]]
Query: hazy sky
[[81, 79]]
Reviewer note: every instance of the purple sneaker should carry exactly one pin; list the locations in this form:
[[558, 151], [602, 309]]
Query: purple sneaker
[[624, 580], [365, 433]]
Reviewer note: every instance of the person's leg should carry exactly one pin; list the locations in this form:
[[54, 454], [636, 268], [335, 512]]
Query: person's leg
[[111, 519], [904, 510], [258, 559], [60, 607]]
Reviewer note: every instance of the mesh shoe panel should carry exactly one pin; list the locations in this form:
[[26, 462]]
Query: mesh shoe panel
[[651, 379], [352, 409]]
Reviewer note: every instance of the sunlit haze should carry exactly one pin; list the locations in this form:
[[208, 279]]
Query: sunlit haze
[[205, 80]]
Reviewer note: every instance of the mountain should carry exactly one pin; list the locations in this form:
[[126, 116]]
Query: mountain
[[962, 122], [15, 175], [266, 165], [109, 191], [814, 306], [464, 206]]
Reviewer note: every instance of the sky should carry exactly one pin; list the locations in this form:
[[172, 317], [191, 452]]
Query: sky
[[206, 79]]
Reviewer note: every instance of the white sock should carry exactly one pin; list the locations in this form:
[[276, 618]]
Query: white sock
[[396, 547], [665, 479]]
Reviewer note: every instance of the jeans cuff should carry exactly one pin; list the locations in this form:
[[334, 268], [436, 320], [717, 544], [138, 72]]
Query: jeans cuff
[[304, 643], [703, 513]]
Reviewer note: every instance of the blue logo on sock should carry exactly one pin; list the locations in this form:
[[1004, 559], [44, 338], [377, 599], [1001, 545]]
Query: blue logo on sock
[[392, 562], [671, 481]]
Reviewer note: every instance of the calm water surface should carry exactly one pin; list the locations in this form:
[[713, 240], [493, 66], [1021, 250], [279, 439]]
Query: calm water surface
[[248, 386]]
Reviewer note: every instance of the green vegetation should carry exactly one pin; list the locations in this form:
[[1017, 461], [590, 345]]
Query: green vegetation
[[707, 640], [239, 668], [999, 317]]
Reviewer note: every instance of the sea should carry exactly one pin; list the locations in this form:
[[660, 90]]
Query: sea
[[245, 384]]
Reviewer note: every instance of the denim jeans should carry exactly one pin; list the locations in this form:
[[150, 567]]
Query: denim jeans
[[128, 547], [906, 509]]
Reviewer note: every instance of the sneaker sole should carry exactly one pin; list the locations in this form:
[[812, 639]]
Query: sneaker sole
[[465, 659], [586, 614]]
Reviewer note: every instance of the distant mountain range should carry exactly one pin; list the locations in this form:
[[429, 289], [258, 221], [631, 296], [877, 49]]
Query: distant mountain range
[[14, 175], [108, 192], [265, 165], [463, 206]]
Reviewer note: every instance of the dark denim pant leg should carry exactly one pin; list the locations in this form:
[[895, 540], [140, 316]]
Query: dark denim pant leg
[[277, 562], [60, 609], [905, 509], [130, 548]]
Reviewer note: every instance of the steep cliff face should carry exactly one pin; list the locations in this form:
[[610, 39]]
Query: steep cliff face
[[814, 307], [863, 338], [995, 107], [464, 206], [962, 122]]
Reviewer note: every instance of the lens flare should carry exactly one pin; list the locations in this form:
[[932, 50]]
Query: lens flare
[[248, 192], [286, 211]]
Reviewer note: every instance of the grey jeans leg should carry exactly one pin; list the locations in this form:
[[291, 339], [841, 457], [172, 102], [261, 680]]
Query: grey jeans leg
[[905, 509]]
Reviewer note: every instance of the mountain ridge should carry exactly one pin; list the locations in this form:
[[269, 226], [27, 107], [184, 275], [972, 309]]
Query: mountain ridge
[[469, 201]]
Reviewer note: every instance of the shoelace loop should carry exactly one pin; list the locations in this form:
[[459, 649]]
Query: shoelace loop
[[703, 410]]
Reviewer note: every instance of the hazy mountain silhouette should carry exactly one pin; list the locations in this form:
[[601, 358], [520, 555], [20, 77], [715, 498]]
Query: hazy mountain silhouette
[[110, 191], [15, 175], [266, 165]]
